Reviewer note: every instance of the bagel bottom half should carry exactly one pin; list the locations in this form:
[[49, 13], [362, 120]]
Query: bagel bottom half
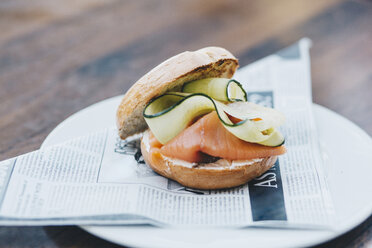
[[216, 175]]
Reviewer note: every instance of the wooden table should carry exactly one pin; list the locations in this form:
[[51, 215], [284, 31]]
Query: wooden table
[[57, 57]]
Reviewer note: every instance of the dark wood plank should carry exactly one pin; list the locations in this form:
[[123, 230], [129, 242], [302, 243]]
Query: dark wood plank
[[50, 237], [341, 58], [73, 62], [59, 57]]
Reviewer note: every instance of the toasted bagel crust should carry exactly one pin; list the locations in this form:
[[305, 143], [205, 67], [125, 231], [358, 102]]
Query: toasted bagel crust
[[207, 176], [170, 76]]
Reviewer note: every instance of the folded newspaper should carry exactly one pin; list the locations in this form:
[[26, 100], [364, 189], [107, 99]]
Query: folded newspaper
[[100, 179]]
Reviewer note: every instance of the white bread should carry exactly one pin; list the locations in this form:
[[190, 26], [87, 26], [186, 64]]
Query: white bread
[[218, 175], [170, 76]]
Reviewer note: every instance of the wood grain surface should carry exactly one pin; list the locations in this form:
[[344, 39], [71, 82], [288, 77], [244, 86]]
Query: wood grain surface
[[57, 57]]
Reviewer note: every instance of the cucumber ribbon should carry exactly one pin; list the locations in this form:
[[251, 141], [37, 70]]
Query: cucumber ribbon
[[222, 89], [170, 113]]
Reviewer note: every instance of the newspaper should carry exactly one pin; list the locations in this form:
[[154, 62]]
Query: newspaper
[[102, 180]]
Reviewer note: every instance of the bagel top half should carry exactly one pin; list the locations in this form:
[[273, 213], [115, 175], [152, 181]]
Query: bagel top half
[[170, 76]]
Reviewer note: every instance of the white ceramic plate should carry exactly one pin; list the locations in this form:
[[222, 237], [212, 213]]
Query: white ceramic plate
[[346, 148]]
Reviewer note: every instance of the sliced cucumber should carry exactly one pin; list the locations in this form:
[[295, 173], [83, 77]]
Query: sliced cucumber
[[168, 114], [266, 118], [222, 89], [276, 139]]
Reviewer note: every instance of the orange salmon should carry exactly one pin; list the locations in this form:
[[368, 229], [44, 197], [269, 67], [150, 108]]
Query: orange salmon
[[208, 136]]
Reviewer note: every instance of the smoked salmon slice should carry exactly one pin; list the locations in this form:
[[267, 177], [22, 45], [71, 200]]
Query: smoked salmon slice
[[208, 136]]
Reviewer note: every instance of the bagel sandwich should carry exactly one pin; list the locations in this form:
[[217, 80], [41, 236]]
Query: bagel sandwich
[[198, 127]]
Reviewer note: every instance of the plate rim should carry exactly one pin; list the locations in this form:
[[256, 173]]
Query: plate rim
[[94, 230]]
